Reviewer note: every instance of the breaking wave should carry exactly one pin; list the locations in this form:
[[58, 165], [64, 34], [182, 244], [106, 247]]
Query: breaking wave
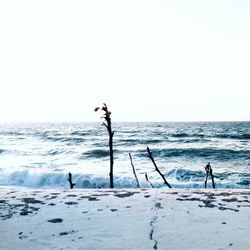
[[178, 178]]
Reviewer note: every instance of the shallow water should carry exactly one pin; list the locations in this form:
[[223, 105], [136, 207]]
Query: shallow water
[[41, 155]]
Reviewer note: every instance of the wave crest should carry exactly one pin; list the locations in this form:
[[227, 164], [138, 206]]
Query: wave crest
[[178, 178]]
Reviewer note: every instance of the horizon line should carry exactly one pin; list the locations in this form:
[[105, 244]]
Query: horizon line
[[167, 121]]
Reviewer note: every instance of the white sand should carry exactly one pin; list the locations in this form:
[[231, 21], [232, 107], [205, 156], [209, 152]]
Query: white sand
[[124, 219]]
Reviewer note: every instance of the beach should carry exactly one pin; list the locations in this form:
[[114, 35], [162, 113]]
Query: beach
[[124, 218], [125, 125]]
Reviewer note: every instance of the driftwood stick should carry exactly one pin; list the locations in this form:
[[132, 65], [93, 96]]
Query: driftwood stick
[[108, 126], [70, 181], [209, 170], [206, 180], [147, 180], [212, 176], [156, 168], [137, 182]]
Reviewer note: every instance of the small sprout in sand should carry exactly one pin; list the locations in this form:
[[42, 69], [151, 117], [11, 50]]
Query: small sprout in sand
[[70, 181]]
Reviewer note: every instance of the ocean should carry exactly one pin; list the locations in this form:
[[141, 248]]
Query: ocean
[[40, 155]]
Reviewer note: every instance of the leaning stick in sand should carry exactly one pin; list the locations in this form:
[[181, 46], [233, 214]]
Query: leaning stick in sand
[[212, 176], [137, 182], [206, 178], [147, 180], [156, 168], [70, 181]]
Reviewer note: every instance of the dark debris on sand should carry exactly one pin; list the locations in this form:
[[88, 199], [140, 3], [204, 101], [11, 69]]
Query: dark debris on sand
[[56, 220], [67, 232], [124, 195], [208, 203], [32, 200], [70, 203]]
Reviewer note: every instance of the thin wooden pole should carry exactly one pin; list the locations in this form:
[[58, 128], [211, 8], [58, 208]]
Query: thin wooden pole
[[147, 180], [137, 182], [206, 180], [108, 126], [156, 168], [70, 181], [209, 170], [212, 176]]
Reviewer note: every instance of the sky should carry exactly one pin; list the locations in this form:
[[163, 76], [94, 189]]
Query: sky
[[148, 60]]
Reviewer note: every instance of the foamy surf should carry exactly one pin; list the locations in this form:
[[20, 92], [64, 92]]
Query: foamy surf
[[41, 155]]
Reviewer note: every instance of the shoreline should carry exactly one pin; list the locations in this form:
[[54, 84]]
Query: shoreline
[[124, 218]]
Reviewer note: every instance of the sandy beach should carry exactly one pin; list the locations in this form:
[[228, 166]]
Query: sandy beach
[[124, 219]]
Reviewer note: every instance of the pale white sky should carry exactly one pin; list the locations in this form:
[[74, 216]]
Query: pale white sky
[[148, 60]]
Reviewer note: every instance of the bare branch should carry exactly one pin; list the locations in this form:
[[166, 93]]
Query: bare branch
[[107, 118], [138, 185], [209, 170], [104, 124], [70, 181], [147, 180], [156, 168]]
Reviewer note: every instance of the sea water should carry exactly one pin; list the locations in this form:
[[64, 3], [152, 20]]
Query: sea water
[[40, 155]]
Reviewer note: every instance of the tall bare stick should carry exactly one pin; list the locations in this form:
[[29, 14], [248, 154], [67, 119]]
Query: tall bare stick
[[137, 182], [107, 118], [156, 168]]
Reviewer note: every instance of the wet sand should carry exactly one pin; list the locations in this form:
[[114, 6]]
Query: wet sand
[[124, 219]]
